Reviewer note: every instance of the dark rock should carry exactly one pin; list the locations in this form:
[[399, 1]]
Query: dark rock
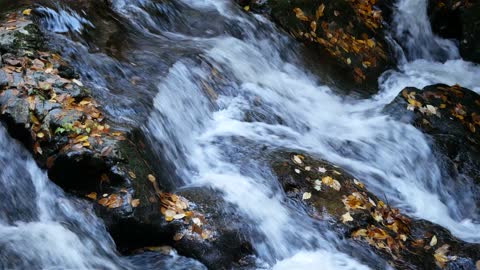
[[340, 34], [458, 20], [224, 245], [454, 128], [88, 155], [403, 241]]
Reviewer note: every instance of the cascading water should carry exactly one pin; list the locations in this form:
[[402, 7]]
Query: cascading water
[[218, 121], [300, 114], [42, 228]]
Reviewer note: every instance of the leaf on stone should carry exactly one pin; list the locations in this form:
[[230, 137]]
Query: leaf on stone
[[27, 12], [132, 175], [151, 178], [135, 203], [347, 217], [306, 196], [440, 255], [92, 195], [298, 159], [178, 236], [319, 12], [300, 15], [433, 242]]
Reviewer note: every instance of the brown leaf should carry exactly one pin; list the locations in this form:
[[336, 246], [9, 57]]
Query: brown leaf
[[300, 15], [92, 196], [319, 12], [135, 203]]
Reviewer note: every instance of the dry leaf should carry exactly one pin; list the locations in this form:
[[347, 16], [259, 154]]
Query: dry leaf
[[347, 217], [135, 203], [92, 196], [306, 196], [433, 242], [319, 12]]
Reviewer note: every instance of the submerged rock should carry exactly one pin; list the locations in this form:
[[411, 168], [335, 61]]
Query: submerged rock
[[348, 34], [458, 20], [329, 193]]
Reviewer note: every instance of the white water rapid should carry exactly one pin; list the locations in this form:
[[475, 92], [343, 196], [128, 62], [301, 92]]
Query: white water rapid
[[259, 98]]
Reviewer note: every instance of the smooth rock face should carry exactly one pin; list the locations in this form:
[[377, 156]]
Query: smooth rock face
[[347, 35], [458, 20], [330, 193]]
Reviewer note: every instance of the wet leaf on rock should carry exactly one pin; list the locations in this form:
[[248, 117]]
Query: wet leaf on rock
[[92, 196], [347, 217], [306, 196]]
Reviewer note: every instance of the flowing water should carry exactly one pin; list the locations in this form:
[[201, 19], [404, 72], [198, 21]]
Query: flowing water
[[229, 89]]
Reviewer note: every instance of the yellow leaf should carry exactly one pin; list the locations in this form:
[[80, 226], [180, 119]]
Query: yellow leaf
[[441, 255], [81, 138], [313, 25], [132, 175], [40, 135], [319, 12], [27, 12], [151, 178], [300, 15], [247, 8], [370, 43]]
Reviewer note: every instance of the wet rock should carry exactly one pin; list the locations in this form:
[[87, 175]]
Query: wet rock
[[3, 79], [19, 35], [47, 107], [329, 193], [458, 20], [451, 116], [207, 229], [346, 34]]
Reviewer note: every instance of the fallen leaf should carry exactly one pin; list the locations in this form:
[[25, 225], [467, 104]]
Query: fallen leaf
[[347, 217], [306, 196], [319, 12], [151, 178], [300, 15], [77, 82], [27, 12], [92, 196], [441, 256], [433, 242], [135, 203]]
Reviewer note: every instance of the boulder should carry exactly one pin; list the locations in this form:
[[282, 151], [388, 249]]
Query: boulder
[[329, 193], [45, 105], [451, 116], [458, 20], [345, 34]]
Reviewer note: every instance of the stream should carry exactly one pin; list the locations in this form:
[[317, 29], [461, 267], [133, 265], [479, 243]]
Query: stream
[[217, 91]]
